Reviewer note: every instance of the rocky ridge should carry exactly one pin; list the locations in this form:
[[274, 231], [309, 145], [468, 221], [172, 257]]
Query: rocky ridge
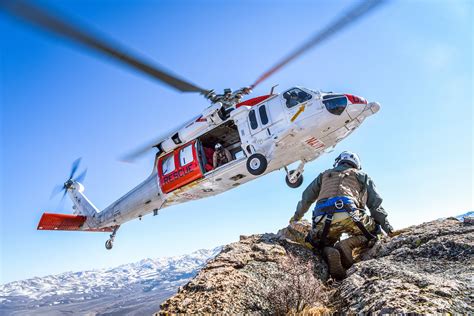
[[424, 269]]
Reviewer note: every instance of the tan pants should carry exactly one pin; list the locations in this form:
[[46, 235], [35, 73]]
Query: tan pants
[[341, 223]]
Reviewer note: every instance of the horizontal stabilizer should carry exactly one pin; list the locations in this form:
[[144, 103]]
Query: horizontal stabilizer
[[50, 221]]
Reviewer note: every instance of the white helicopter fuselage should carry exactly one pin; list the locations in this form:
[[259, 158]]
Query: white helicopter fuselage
[[260, 135], [282, 132]]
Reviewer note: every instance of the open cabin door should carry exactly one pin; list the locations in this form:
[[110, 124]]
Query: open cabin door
[[180, 167]]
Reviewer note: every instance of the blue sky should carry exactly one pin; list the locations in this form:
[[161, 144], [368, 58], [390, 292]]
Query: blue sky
[[59, 103]]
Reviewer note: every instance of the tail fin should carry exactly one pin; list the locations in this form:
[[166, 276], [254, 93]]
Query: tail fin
[[82, 205], [50, 221]]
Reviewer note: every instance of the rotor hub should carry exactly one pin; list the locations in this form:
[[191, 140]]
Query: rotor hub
[[68, 184], [228, 98]]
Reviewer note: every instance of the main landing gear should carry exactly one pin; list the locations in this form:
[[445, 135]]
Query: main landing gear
[[257, 164], [110, 242], [294, 178]]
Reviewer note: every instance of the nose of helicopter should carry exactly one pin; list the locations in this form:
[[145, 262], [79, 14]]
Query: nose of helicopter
[[374, 107], [358, 105]]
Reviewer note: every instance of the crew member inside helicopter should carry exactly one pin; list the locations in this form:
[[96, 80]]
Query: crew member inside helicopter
[[221, 156], [292, 99], [208, 156], [295, 96]]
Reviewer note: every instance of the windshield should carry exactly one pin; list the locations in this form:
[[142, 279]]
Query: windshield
[[335, 103]]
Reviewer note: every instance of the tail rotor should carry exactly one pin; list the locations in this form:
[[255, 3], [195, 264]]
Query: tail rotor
[[71, 180]]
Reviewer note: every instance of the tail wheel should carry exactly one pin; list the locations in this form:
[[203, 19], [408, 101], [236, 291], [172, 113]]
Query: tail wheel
[[295, 183], [257, 164], [109, 244]]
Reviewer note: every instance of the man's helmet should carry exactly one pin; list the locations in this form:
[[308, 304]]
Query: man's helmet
[[348, 157], [218, 146]]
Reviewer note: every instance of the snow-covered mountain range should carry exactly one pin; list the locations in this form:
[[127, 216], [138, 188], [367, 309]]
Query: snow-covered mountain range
[[134, 289], [468, 214]]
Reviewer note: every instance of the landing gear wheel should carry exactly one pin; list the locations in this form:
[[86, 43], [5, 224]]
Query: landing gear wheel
[[296, 183], [257, 164], [109, 244]]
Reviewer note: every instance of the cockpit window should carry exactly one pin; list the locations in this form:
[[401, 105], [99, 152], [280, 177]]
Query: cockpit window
[[335, 103], [295, 96]]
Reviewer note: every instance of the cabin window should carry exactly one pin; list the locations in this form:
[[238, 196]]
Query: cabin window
[[295, 96], [263, 115], [253, 119], [168, 164], [186, 155]]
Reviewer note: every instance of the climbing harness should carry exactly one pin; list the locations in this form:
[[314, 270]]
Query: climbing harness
[[338, 204]]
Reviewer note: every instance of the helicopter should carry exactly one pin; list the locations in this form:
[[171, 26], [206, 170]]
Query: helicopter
[[260, 135]]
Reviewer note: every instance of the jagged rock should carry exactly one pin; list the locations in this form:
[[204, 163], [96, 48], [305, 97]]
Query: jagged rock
[[424, 269], [244, 277], [296, 232]]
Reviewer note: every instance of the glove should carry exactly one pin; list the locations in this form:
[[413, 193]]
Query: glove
[[397, 232], [293, 220], [387, 228]]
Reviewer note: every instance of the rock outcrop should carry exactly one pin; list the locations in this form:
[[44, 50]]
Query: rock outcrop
[[424, 269]]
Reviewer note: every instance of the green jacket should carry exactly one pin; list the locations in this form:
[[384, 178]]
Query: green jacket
[[374, 201]]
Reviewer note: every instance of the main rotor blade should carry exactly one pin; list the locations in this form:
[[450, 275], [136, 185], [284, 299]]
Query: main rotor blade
[[45, 20], [339, 24], [140, 151], [137, 153], [143, 149]]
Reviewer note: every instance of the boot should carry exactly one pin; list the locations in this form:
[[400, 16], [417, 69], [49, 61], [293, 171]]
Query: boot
[[333, 259], [310, 239], [346, 247]]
